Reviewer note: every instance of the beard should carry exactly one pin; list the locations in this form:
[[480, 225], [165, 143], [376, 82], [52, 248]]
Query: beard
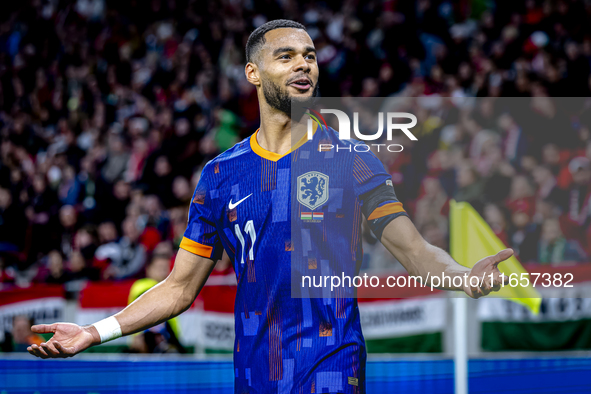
[[294, 107]]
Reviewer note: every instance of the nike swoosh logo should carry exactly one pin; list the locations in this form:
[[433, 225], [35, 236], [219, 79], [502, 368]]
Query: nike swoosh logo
[[232, 206]]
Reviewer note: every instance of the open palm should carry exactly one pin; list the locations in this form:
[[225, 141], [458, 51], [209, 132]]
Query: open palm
[[68, 339], [483, 269]]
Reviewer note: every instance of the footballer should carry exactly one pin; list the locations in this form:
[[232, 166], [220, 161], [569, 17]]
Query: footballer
[[248, 202]]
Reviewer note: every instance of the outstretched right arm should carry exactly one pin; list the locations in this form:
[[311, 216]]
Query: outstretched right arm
[[162, 302]]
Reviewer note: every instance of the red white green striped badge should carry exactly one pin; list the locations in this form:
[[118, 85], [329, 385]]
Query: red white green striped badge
[[312, 216]]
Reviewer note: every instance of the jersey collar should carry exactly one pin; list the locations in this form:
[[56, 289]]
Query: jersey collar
[[265, 154]]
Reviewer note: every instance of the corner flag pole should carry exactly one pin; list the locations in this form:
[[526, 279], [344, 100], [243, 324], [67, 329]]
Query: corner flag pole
[[472, 239], [460, 345]]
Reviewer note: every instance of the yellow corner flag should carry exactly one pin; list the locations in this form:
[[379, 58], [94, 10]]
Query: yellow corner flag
[[472, 239]]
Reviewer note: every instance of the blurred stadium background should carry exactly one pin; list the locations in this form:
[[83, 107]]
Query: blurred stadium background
[[109, 109]]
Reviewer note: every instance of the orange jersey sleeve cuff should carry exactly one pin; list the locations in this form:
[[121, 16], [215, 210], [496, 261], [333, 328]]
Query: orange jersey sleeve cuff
[[196, 248], [387, 209]]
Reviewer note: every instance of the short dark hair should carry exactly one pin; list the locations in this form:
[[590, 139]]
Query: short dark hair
[[257, 37]]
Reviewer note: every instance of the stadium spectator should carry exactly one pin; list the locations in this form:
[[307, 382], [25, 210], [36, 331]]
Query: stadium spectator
[[21, 335], [524, 235], [155, 216], [107, 232], [77, 274], [12, 222], [41, 211], [496, 219], [579, 194], [547, 186], [470, 186], [521, 195], [434, 234], [72, 272], [85, 241], [7, 272], [55, 267], [554, 248], [431, 207], [124, 258], [107, 108], [163, 338], [515, 144], [68, 220], [182, 191]]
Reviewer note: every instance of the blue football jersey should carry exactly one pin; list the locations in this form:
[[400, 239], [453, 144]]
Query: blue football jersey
[[280, 216]]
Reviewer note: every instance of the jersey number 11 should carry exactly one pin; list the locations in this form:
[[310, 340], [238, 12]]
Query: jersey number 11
[[248, 229]]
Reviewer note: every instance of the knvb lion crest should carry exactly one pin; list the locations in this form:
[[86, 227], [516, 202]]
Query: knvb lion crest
[[313, 189]]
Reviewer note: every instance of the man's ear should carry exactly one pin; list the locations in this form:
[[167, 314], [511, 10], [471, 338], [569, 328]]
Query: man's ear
[[251, 71]]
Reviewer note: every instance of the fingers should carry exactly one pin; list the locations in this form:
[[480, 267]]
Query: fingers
[[497, 283], [37, 351], [496, 280], [64, 351], [49, 350], [30, 350], [473, 292], [477, 293], [44, 328], [486, 286], [490, 284], [480, 291], [500, 280], [502, 256]]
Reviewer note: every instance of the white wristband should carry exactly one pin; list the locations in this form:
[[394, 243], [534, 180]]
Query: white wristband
[[108, 329]]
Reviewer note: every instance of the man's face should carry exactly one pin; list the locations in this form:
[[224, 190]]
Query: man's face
[[288, 69], [551, 230], [158, 269], [582, 176], [21, 329]]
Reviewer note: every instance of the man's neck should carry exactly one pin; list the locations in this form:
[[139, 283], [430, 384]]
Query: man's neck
[[278, 132]]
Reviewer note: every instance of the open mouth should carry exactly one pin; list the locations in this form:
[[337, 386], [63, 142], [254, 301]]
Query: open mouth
[[301, 84]]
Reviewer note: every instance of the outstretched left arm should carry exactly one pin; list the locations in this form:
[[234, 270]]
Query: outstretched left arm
[[420, 258]]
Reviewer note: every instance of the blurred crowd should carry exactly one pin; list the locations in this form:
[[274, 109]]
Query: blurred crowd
[[109, 109], [524, 163]]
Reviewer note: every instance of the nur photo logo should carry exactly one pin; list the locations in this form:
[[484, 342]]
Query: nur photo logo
[[388, 122]]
